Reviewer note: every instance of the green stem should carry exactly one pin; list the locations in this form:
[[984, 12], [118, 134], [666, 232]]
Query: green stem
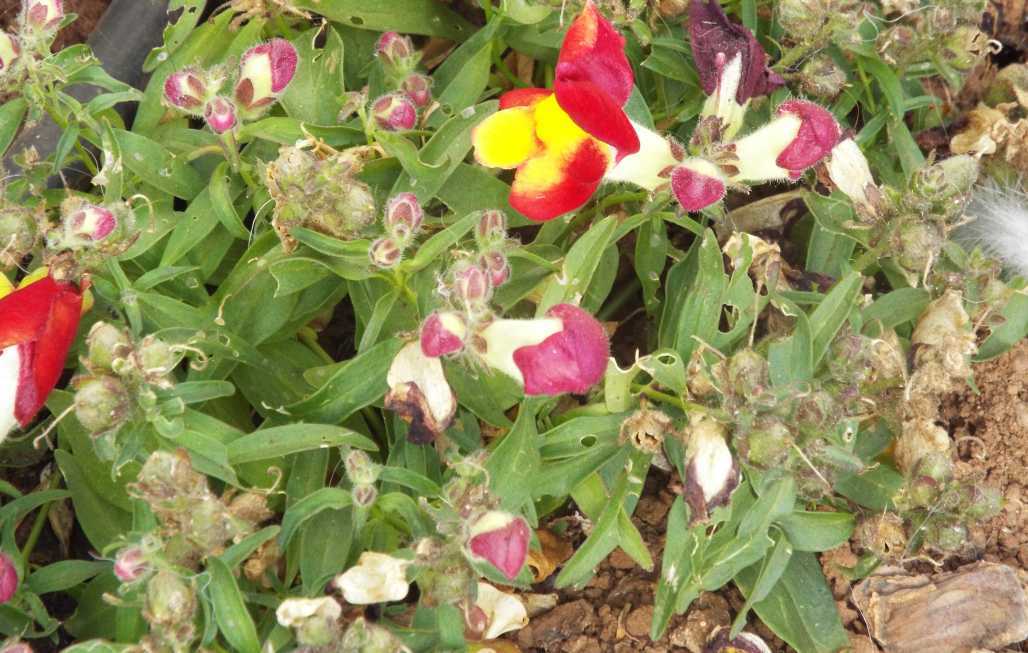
[[37, 528], [505, 71], [307, 336], [624, 293]]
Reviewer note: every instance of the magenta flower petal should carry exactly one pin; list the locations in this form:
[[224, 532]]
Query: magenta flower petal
[[501, 540], [818, 134], [571, 360], [697, 184], [441, 334], [8, 578], [716, 41]]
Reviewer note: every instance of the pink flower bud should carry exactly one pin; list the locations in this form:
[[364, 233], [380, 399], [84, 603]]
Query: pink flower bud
[[394, 49], [220, 114], [443, 333], [403, 216], [185, 89], [9, 51], [501, 539], [697, 183], [16, 647], [496, 266], [8, 578], [264, 73], [394, 112], [818, 134], [492, 228], [43, 14], [719, 642], [91, 222], [418, 88], [566, 351], [471, 284], [130, 565], [385, 252]]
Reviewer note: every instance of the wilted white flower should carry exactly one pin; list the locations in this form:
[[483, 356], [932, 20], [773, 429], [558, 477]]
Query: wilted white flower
[[313, 619], [376, 578], [711, 472], [503, 612]]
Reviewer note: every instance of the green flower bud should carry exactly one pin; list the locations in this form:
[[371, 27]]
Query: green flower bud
[[768, 443], [748, 374], [822, 77], [107, 343], [364, 496], [156, 359], [101, 403], [360, 469], [18, 235], [170, 601], [802, 19], [365, 637], [919, 245]]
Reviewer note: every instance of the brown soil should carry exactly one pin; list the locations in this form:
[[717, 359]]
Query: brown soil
[[89, 13]]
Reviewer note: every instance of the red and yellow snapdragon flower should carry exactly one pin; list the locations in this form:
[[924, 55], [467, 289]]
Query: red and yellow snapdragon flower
[[564, 142]]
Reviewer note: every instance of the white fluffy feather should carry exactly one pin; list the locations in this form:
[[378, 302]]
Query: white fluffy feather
[[999, 225]]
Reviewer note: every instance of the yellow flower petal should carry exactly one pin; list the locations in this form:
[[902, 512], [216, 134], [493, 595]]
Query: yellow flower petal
[[506, 139], [555, 128], [5, 285]]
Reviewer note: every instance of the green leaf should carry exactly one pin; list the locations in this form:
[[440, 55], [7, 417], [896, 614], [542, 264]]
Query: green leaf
[[694, 309], [316, 92], [771, 571], [11, 115], [832, 313], [327, 498], [64, 575], [1012, 331], [675, 567], [896, 307], [221, 198], [155, 165], [817, 531], [515, 461], [102, 522], [799, 608], [463, 76], [435, 246], [353, 385], [281, 441], [405, 16], [234, 621], [422, 485], [873, 488], [579, 266]]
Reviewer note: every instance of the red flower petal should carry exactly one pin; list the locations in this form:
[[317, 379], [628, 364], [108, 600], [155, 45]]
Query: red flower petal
[[597, 113], [548, 186], [436, 339], [523, 97], [818, 134], [594, 80], [505, 548], [694, 189], [571, 360]]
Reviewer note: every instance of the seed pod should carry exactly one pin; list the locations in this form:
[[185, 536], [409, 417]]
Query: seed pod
[[822, 77], [748, 375], [19, 233], [107, 343], [170, 601], [101, 403]]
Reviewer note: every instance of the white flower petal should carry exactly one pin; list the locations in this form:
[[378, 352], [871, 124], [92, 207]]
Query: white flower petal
[[505, 612], [293, 612], [10, 365], [503, 337], [412, 366], [758, 152], [376, 578], [644, 167]]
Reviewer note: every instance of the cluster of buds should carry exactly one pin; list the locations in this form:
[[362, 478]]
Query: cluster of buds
[[194, 522], [93, 232], [402, 221], [264, 72], [322, 194], [565, 143], [169, 607], [411, 91], [37, 25], [121, 378], [945, 34], [362, 473], [809, 23]]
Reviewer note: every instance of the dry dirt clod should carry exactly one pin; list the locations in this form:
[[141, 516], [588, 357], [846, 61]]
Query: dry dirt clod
[[978, 606], [557, 626]]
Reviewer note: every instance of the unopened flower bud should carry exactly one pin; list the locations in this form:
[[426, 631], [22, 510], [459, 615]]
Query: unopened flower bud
[[16, 647], [501, 539], [767, 444], [711, 472], [264, 73], [156, 358], [385, 252], [220, 114], [9, 51], [394, 112], [186, 90], [91, 223], [107, 343], [471, 284], [395, 50], [442, 334], [364, 496], [822, 77], [376, 578], [360, 469], [101, 403], [948, 178], [496, 267], [403, 216], [19, 233], [316, 621], [801, 19], [719, 642], [8, 578], [170, 601], [697, 183], [418, 88], [498, 612], [43, 14], [491, 229], [365, 637], [919, 245], [130, 565]]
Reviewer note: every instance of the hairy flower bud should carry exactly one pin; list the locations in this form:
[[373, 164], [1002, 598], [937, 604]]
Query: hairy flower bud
[[822, 78], [418, 88], [385, 252], [264, 73], [719, 642], [170, 600], [316, 621], [43, 14], [101, 403], [186, 90], [443, 333], [471, 285], [403, 216], [360, 468], [396, 51], [156, 359], [9, 51], [364, 496], [8, 578], [711, 472], [106, 343], [131, 565], [220, 114], [491, 229], [501, 539], [496, 267], [91, 223], [767, 444], [394, 112], [376, 578], [19, 233]]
